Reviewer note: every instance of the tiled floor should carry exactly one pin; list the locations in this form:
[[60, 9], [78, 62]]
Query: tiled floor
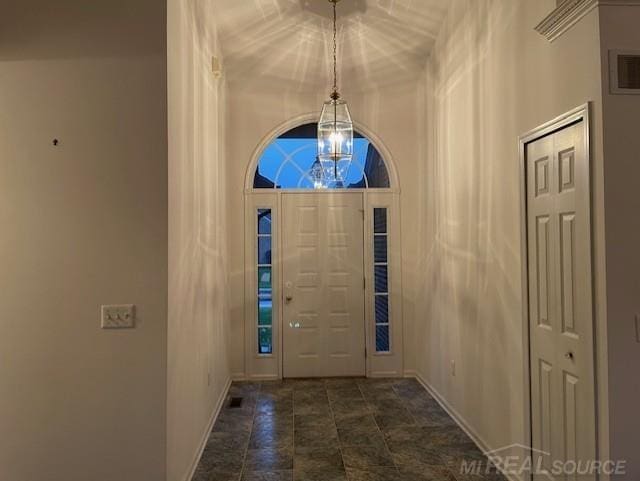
[[336, 430]]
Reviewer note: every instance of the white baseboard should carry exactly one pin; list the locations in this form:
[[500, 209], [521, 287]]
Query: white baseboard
[[205, 437], [385, 374], [464, 425], [262, 377], [238, 376]]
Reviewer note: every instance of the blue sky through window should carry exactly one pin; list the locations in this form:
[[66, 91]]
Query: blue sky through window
[[286, 162]]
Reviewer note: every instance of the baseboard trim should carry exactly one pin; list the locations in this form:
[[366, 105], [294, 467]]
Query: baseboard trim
[[238, 376], [461, 421], [385, 374], [262, 377], [205, 437]]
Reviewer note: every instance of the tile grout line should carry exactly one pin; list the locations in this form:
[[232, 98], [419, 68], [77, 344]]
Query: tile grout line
[[335, 425], [384, 438], [293, 439], [253, 419]]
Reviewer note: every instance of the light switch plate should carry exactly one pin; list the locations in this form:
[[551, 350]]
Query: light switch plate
[[118, 316]]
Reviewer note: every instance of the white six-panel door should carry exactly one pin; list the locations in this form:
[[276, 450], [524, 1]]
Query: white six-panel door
[[560, 300], [323, 291]]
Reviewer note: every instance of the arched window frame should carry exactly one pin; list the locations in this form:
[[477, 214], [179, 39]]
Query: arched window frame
[[394, 184]]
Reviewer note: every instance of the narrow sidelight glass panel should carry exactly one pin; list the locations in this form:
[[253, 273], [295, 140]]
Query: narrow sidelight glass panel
[[381, 281], [381, 278], [380, 249], [380, 221], [265, 309], [264, 221], [382, 338], [382, 309], [264, 340], [264, 280], [264, 250], [264, 292]]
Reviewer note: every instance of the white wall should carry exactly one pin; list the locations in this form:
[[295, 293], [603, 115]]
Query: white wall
[[255, 110], [492, 78], [83, 224], [619, 30], [198, 367]]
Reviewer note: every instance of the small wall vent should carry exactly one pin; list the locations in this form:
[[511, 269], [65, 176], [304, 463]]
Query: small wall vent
[[624, 68]]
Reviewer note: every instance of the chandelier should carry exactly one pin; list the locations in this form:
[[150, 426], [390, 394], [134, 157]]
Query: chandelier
[[335, 128]]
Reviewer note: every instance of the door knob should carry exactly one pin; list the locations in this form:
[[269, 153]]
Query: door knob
[[569, 355], [288, 299]]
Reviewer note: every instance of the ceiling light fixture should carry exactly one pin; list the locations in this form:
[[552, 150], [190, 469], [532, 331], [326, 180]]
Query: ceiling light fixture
[[335, 128]]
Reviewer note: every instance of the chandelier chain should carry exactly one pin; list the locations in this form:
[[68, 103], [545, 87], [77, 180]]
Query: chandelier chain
[[335, 47]]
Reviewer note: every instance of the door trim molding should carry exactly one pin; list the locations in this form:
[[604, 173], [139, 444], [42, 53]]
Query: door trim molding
[[581, 113]]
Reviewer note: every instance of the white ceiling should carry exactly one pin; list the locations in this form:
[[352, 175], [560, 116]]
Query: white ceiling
[[289, 42]]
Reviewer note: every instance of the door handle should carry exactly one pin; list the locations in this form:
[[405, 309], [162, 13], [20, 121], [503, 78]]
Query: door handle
[[570, 356], [288, 299]]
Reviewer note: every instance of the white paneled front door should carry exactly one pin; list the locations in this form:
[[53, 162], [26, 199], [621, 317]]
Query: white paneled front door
[[323, 291], [560, 300]]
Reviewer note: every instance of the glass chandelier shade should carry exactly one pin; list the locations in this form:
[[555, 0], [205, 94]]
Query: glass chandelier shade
[[316, 174], [335, 127], [335, 140]]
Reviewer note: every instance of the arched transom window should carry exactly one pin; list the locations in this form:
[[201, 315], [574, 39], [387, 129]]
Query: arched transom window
[[287, 163]]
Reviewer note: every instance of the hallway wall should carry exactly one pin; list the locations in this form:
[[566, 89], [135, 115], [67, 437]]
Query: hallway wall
[[490, 79], [83, 224], [199, 344], [619, 31]]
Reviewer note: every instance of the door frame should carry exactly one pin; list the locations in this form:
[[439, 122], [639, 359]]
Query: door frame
[[581, 113], [270, 366]]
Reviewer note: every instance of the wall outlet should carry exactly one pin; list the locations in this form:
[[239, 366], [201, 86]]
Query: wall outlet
[[453, 367], [216, 67], [118, 316]]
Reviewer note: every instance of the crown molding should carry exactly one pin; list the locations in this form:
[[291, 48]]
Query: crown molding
[[571, 12]]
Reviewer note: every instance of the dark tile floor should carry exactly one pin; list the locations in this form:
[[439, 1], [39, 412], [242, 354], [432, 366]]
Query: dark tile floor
[[336, 430]]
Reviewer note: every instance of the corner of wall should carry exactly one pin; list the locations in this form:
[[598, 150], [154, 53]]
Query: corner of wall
[[198, 334]]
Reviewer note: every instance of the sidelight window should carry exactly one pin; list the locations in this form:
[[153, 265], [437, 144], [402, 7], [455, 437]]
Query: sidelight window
[[265, 282], [381, 278]]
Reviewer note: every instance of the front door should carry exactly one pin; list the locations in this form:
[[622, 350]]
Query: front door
[[323, 285], [560, 305]]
